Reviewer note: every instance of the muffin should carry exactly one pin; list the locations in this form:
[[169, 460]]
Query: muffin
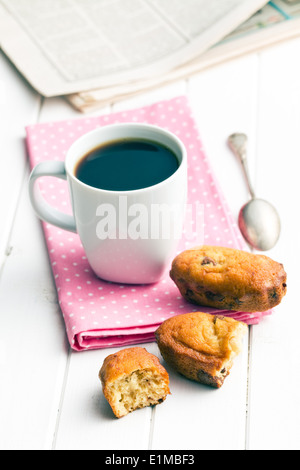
[[229, 279], [200, 346], [133, 378]]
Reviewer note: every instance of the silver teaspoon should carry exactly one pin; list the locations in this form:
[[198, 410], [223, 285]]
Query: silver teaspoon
[[258, 220]]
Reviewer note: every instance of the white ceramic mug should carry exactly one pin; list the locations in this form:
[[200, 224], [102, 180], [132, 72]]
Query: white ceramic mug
[[128, 236]]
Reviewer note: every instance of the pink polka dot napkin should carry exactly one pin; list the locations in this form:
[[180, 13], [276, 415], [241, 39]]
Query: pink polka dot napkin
[[98, 314]]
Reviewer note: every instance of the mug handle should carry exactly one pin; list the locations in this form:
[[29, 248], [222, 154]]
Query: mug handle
[[43, 210]]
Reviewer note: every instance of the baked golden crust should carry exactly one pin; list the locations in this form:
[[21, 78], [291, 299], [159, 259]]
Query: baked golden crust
[[201, 346], [133, 378], [230, 279]]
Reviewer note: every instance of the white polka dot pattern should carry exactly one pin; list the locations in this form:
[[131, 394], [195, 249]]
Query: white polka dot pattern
[[98, 314]]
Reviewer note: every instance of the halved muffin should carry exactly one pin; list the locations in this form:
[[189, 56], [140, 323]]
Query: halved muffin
[[201, 346], [133, 378]]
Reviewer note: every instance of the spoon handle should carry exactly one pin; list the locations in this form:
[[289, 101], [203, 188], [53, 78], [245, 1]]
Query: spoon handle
[[238, 144]]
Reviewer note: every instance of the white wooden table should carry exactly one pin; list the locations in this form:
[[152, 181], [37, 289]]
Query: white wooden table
[[50, 396]]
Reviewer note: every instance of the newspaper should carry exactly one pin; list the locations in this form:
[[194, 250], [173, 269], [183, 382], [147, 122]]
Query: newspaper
[[279, 20], [64, 47]]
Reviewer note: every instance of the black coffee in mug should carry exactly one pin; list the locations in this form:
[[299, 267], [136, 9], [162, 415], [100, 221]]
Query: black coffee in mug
[[127, 165]]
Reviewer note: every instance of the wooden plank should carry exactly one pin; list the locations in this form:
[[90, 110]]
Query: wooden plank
[[197, 417], [32, 360], [225, 100], [19, 105], [86, 420], [32, 338], [275, 368]]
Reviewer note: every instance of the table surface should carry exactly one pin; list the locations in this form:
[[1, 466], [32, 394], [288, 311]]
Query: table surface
[[50, 396]]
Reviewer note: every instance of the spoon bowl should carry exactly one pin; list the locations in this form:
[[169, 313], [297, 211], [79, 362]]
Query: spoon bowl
[[260, 224], [258, 220]]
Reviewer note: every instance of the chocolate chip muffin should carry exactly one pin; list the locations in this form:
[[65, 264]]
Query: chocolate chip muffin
[[200, 346], [230, 279], [133, 378]]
